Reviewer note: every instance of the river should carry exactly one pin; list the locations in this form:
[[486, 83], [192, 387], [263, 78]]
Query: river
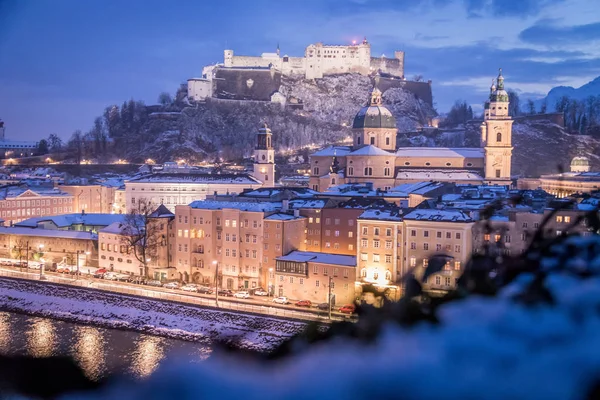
[[99, 351]]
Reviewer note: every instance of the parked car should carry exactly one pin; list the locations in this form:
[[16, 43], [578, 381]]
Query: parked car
[[261, 292], [99, 273], [348, 309], [190, 287], [242, 295], [138, 280], [109, 276], [34, 265], [323, 306], [171, 285], [205, 290], [281, 300], [63, 269], [225, 292], [303, 303], [154, 283], [123, 277]]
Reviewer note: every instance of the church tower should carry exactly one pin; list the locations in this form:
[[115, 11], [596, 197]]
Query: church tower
[[375, 125], [264, 157], [496, 135]]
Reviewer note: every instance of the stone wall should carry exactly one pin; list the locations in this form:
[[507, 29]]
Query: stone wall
[[420, 89]]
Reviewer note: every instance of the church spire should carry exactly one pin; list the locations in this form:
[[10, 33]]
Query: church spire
[[375, 97], [500, 80]]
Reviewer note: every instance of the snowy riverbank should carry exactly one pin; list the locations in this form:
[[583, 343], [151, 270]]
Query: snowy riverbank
[[144, 315]]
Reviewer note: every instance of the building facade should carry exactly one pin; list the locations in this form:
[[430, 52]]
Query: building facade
[[18, 204]]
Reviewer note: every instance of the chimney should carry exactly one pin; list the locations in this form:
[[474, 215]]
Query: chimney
[[285, 205], [296, 213]]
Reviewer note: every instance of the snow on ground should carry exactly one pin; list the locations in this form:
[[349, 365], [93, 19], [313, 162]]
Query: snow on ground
[[151, 316], [484, 348]]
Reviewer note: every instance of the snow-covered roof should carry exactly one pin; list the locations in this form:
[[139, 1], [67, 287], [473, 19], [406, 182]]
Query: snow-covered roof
[[441, 152], [331, 151], [322, 258], [241, 179], [282, 217], [53, 233], [262, 206], [385, 215], [370, 150], [13, 192], [115, 228], [301, 203], [438, 215], [438, 175], [270, 192], [67, 220], [416, 187]]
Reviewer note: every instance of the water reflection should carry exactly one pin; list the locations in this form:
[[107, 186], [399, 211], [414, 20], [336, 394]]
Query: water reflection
[[41, 338], [89, 351], [98, 351]]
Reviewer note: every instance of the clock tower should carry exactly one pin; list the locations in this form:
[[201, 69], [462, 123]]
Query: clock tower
[[496, 135], [264, 157]]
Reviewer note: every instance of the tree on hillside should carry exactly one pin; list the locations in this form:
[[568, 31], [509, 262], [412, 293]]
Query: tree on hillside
[[460, 113], [562, 104], [165, 99], [75, 146], [55, 143], [514, 106], [142, 235], [544, 107], [530, 107], [43, 147]]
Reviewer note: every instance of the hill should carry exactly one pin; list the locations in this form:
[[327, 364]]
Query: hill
[[590, 89]]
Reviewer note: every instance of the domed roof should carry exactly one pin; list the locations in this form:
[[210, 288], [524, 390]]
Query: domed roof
[[580, 161], [374, 115], [497, 93]]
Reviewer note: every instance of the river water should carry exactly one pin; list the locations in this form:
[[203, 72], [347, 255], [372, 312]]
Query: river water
[[99, 351]]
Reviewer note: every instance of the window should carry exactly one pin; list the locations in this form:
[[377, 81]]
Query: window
[[413, 245], [438, 247], [438, 280], [388, 258], [413, 261], [316, 171], [447, 281], [448, 235], [350, 171], [425, 233], [376, 244], [310, 220], [350, 247], [364, 243], [372, 140], [363, 273], [302, 281], [376, 231], [350, 234], [336, 233], [425, 246], [559, 218], [376, 258], [327, 221], [368, 171], [388, 232], [327, 244], [524, 224], [457, 235], [498, 137], [425, 263], [315, 270], [365, 230], [317, 283], [457, 265], [457, 248], [439, 234], [386, 171], [498, 173], [388, 244], [413, 233], [327, 232]]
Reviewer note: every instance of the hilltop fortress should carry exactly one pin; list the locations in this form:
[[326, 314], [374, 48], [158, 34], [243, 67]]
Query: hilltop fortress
[[320, 60], [258, 78]]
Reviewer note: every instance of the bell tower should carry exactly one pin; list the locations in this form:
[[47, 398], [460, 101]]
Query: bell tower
[[496, 135], [264, 157]]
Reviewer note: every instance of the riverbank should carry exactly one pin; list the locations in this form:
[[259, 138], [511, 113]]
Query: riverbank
[[144, 315]]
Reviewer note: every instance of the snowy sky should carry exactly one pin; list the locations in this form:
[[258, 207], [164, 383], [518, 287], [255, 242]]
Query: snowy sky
[[63, 61]]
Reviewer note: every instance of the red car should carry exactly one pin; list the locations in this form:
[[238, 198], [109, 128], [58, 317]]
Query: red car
[[99, 272], [303, 303], [348, 309]]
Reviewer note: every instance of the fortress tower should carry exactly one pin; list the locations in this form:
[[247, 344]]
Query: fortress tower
[[496, 135], [264, 157]]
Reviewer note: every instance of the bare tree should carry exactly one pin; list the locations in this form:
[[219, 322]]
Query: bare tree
[[19, 250], [142, 234]]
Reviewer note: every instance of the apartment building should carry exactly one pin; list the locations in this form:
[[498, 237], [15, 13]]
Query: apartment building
[[380, 248], [314, 276], [18, 204], [282, 234], [429, 232], [91, 198], [220, 239]]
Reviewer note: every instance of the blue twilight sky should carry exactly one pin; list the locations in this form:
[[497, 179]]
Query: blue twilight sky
[[63, 61]]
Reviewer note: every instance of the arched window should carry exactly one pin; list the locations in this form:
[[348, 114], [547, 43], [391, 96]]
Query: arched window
[[375, 275], [268, 142], [498, 137], [388, 275], [201, 248], [201, 263], [368, 171], [358, 140], [387, 141], [363, 273], [372, 139], [350, 171], [386, 171], [266, 177], [333, 181]]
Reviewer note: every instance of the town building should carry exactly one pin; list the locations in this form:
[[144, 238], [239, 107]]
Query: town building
[[172, 189], [20, 203], [15, 148], [317, 277], [91, 198], [579, 180], [443, 233], [374, 157], [264, 157]]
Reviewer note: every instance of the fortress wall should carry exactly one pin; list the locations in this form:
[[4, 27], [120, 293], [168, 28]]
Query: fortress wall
[[250, 61], [392, 66], [420, 89]]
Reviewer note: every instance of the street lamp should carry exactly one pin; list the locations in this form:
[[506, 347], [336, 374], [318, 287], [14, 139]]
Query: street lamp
[[42, 262], [271, 287], [216, 264], [146, 269]]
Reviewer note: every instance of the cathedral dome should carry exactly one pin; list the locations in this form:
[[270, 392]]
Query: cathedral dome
[[374, 115]]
